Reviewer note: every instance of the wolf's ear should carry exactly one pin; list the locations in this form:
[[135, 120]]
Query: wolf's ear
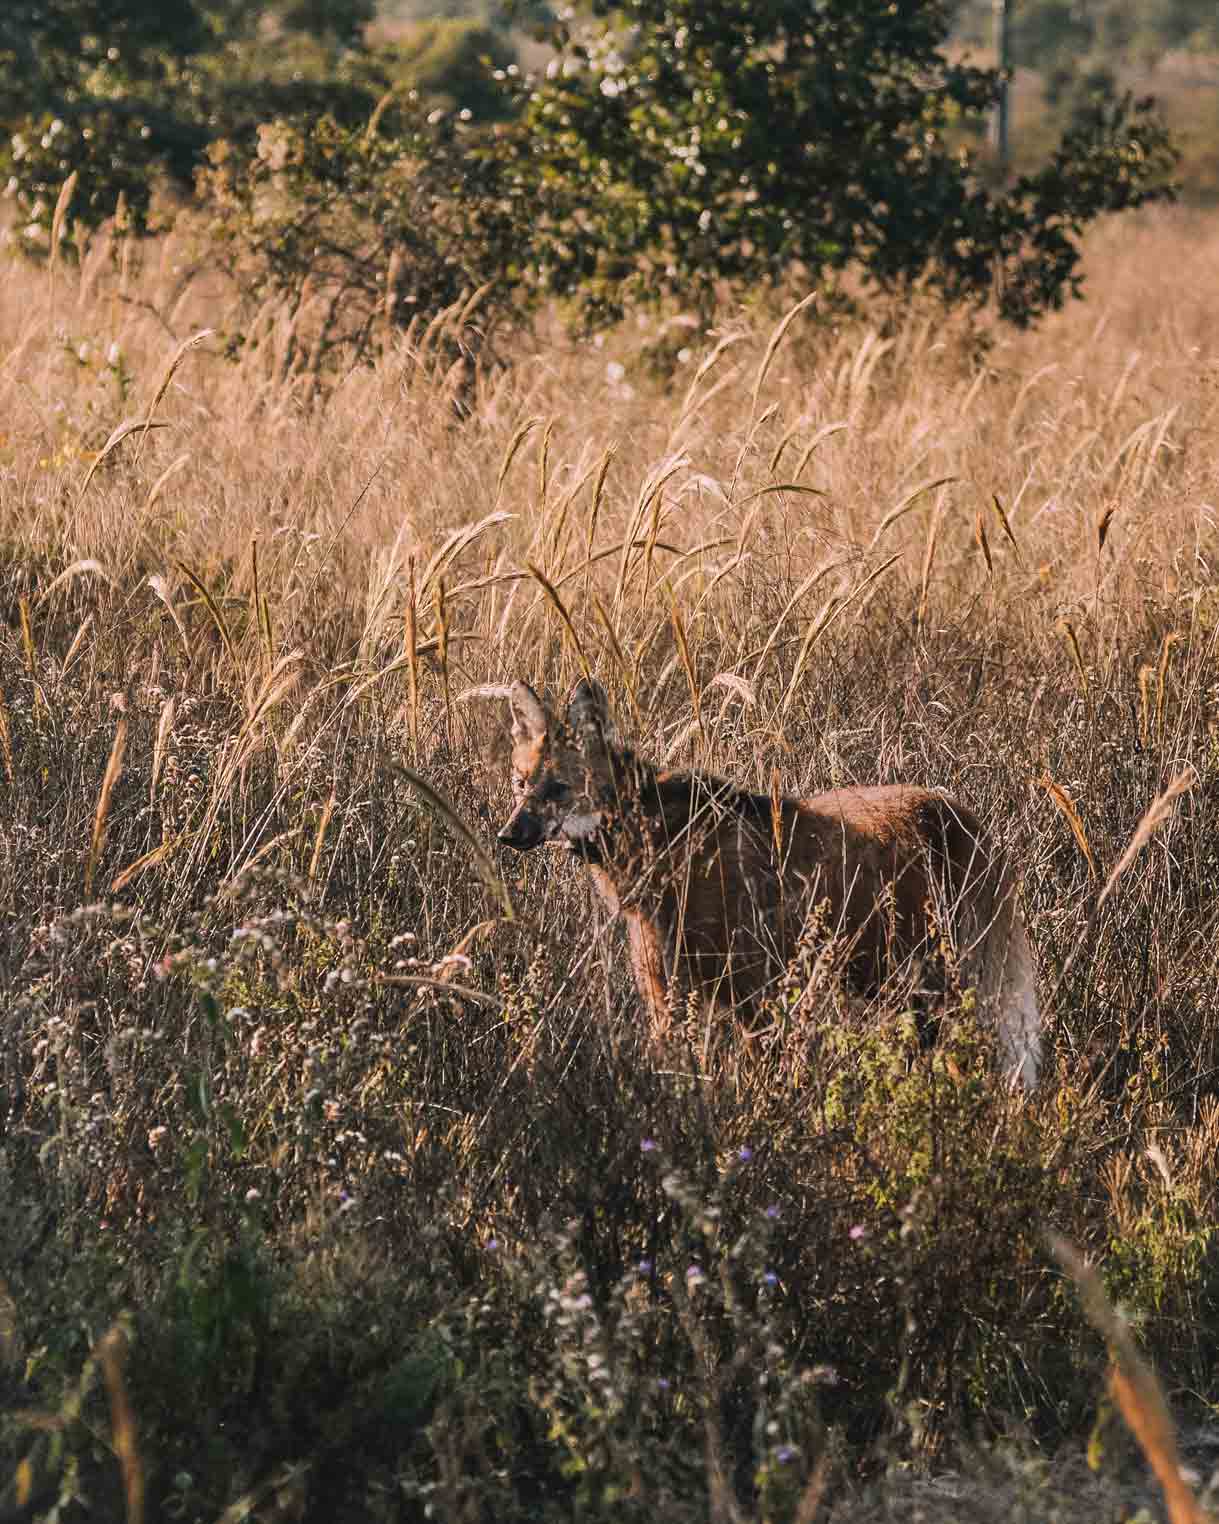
[[530, 717], [588, 715]]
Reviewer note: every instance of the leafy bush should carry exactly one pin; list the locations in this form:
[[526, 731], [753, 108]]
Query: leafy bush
[[100, 91], [127, 95], [684, 146], [360, 233]]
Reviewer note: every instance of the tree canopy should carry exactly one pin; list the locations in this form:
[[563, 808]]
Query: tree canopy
[[689, 143]]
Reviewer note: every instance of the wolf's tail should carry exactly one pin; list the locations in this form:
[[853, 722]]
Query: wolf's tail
[[1006, 982]]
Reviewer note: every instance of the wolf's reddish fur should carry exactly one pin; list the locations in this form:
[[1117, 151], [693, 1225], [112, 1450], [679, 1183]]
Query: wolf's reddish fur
[[717, 885]]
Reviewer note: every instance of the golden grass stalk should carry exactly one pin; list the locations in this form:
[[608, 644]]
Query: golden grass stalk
[[456, 543], [552, 597], [114, 769], [276, 686], [164, 726], [256, 599], [1170, 640], [594, 511], [78, 569], [806, 586], [907, 503], [179, 354], [78, 640], [755, 428], [658, 503], [149, 860], [782, 446], [123, 431], [561, 515], [261, 855], [1066, 808], [544, 463], [834, 609], [218, 618], [374, 120], [319, 836], [737, 685], [706, 365], [1001, 514], [1103, 523], [687, 663], [933, 540], [651, 490], [171, 470], [1067, 630], [1159, 812], [486, 868], [111, 1353], [514, 444], [1135, 1388], [27, 638], [447, 986], [983, 543], [62, 202], [6, 740], [678, 432], [466, 309], [772, 348], [268, 634], [620, 661], [607, 460], [776, 815], [441, 610], [410, 640], [822, 434], [161, 588], [1145, 675], [781, 487]]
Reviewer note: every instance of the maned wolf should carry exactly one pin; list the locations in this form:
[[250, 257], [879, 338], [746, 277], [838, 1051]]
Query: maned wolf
[[716, 885]]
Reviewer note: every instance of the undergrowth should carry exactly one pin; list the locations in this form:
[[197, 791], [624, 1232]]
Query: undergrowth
[[330, 1189]]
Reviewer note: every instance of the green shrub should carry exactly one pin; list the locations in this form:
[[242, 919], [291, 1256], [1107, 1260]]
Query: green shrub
[[359, 234], [683, 147]]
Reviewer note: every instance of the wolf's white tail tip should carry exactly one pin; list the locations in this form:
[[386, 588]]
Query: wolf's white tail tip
[[1019, 1018]]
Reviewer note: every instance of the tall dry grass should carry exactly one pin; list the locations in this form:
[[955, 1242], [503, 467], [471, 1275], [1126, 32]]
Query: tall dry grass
[[267, 1015]]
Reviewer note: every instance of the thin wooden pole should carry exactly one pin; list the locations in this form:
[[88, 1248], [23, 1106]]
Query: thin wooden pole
[[1001, 118]]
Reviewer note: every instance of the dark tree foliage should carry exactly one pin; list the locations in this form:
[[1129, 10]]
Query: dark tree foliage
[[97, 87], [57, 52], [682, 144], [385, 229], [123, 92]]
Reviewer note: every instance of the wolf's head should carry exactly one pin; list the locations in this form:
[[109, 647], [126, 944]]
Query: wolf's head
[[562, 769]]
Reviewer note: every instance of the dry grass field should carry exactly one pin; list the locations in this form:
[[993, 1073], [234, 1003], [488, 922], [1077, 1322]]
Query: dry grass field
[[331, 1190]]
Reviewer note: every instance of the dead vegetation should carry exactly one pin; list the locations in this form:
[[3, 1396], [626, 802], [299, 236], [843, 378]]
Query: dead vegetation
[[361, 1131]]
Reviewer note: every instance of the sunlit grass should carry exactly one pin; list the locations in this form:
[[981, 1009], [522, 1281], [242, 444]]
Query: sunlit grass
[[285, 1085]]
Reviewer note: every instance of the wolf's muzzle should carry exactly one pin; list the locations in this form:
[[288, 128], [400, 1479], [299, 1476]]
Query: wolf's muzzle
[[521, 832]]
